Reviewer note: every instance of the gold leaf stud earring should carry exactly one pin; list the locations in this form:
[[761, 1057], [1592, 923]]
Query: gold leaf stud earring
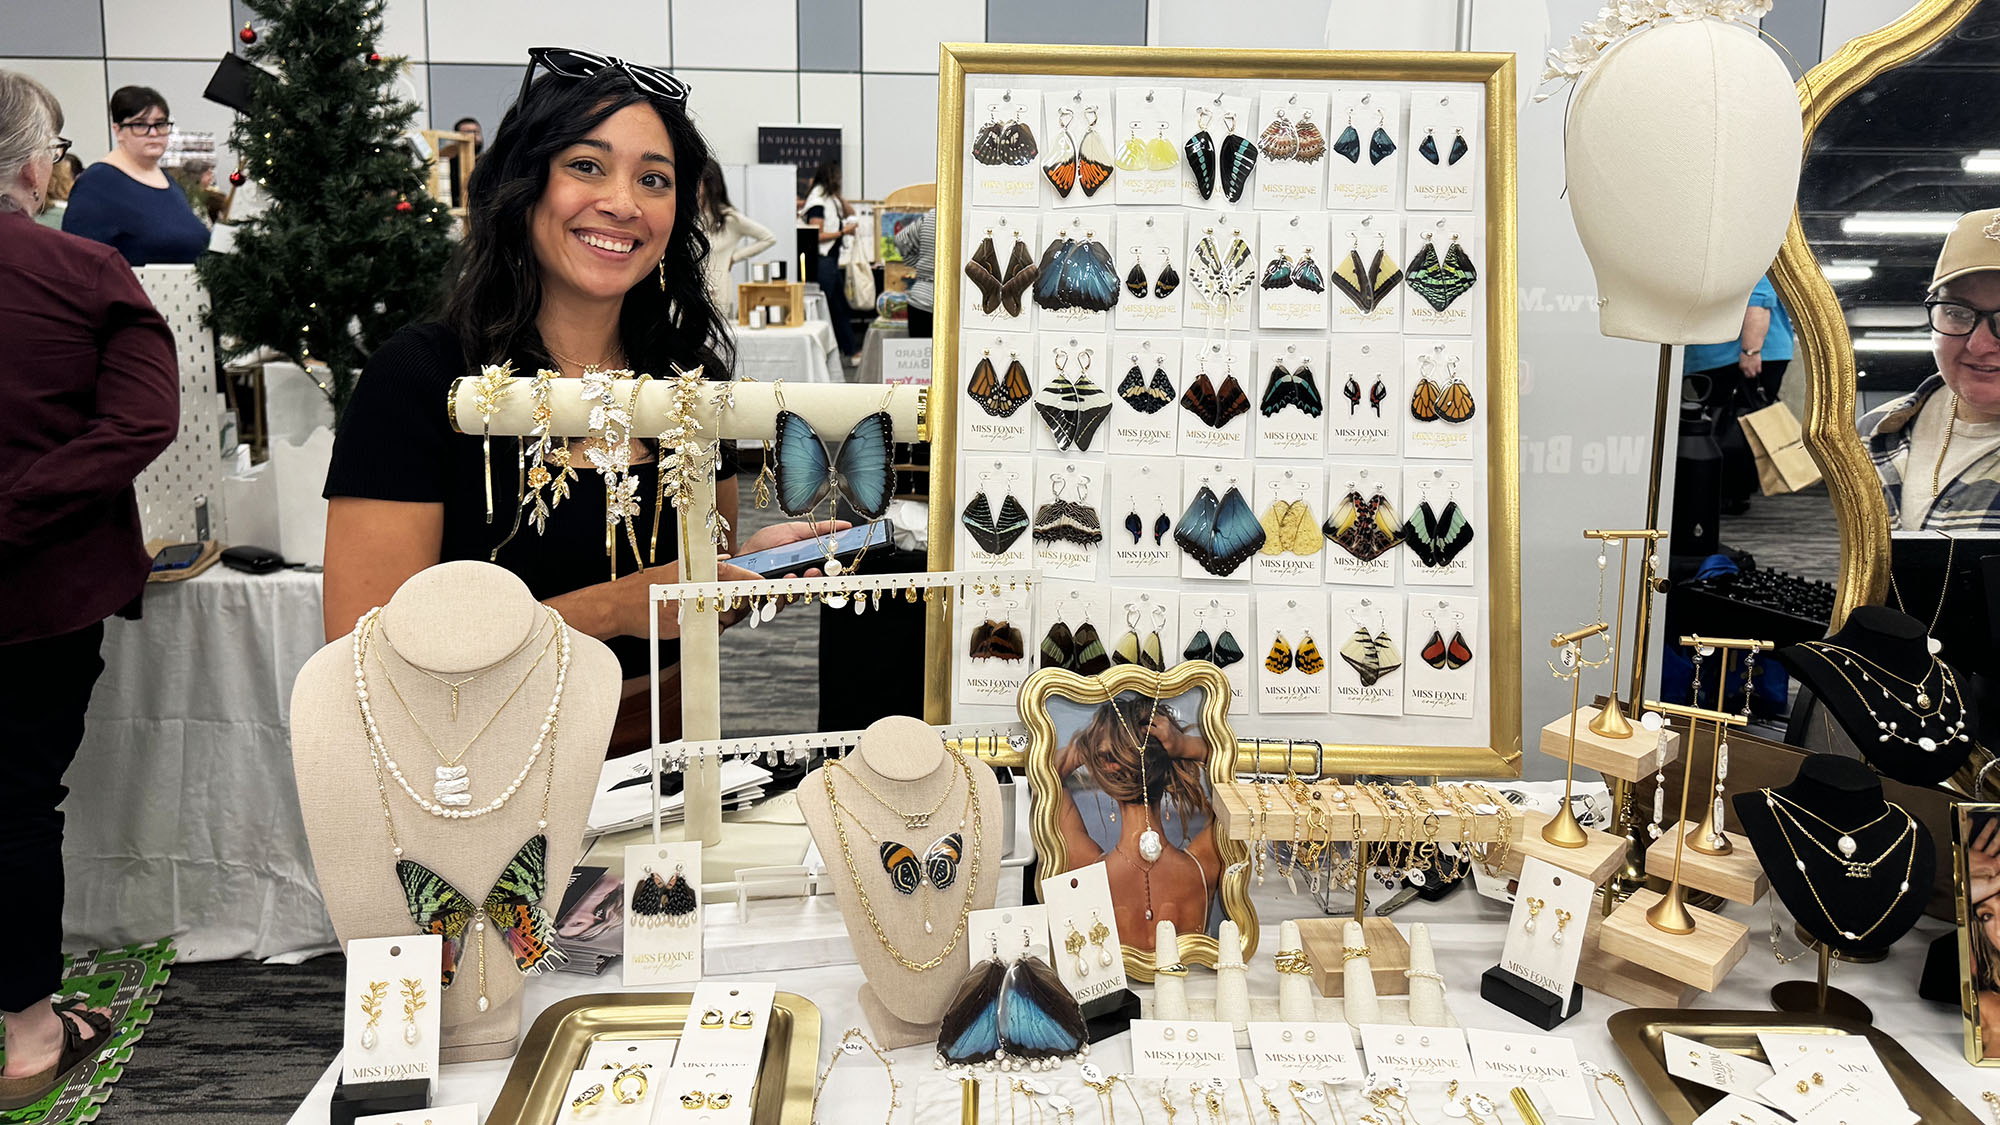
[[371, 1007], [413, 1002]]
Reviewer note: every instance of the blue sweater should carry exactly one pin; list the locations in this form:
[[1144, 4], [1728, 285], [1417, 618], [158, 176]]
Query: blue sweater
[[149, 225]]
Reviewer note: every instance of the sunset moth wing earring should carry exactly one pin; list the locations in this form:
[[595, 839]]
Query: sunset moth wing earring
[[1381, 145], [1458, 147], [1312, 142], [1348, 144], [1429, 148]]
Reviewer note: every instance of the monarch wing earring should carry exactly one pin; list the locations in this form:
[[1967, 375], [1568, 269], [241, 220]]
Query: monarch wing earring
[[1455, 404], [1424, 400]]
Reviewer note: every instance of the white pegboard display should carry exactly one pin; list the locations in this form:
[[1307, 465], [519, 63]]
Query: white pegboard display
[[190, 471]]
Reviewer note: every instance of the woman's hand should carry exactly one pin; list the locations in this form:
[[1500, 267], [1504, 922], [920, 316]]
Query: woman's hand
[[779, 534], [1982, 862], [1177, 742]]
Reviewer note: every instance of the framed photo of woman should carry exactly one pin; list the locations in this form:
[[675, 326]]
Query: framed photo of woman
[[1976, 863], [1123, 768]]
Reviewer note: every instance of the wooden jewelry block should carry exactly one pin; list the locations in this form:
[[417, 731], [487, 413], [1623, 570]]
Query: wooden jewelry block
[[1736, 876], [1701, 959], [1388, 954], [1627, 758], [1595, 860], [1623, 980], [753, 294]]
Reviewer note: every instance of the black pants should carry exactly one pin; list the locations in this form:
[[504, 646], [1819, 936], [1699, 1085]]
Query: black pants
[[1726, 396], [920, 323], [833, 283], [44, 689]]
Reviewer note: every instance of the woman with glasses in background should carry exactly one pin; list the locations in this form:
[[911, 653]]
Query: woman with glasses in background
[[1937, 448], [126, 200]]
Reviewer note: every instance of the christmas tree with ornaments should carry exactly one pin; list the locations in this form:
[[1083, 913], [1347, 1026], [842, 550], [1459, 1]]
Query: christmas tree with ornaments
[[350, 246]]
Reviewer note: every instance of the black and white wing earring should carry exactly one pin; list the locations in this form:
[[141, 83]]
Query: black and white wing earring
[[1200, 152], [1239, 156]]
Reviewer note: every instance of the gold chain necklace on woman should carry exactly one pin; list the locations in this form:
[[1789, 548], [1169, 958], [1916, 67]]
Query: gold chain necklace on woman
[[861, 891], [1944, 591], [1150, 845]]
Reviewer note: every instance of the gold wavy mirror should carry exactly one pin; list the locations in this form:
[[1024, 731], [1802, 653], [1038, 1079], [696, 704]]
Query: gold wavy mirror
[[1895, 124]]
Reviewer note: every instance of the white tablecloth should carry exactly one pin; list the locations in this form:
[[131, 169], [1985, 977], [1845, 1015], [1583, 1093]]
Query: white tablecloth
[[802, 353], [183, 817], [1466, 932]]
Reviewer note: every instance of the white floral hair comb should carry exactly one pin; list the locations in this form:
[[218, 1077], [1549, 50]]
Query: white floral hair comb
[[1616, 21]]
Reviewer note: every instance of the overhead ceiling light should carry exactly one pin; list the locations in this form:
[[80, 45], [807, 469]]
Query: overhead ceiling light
[[1837, 271], [1985, 162], [1899, 222], [1892, 344]]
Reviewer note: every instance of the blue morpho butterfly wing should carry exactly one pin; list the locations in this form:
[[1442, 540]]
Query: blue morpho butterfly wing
[[1039, 1019], [1196, 529], [805, 473], [867, 465], [804, 470], [1051, 269], [1238, 535], [1088, 280], [969, 1034]]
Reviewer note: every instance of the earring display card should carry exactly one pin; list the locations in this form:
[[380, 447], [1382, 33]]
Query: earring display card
[[1214, 409], [1416, 1054], [1152, 247], [1011, 930], [1850, 1055], [1305, 1052], [1149, 489], [1364, 272], [992, 649], [1073, 396], [392, 1007], [1149, 156], [1850, 1108], [1732, 1110], [1292, 248], [1441, 681], [993, 516], [655, 1055], [1217, 531], [1079, 279], [662, 914], [1291, 397], [998, 381], [464, 1114], [1364, 507], [1149, 618], [1291, 143], [1294, 551], [1145, 398], [1077, 163], [1520, 1060], [1221, 272], [999, 264], [1800, 1088], [589, 1098], [1366, 400], [1085, 928], [1439, 536], [738, 1040], [1441, 269], [1368, 677], [1184, 1049], [1718, 1070], [1068, 521], [1443, 385], [1217, 630], [1205, 115], [1362, 166], [1006, 156], [706, 1095], [1444, 162], [1292, 624], [1074, 630]]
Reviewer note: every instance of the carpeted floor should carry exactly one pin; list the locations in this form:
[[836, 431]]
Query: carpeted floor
[[1794, 533]]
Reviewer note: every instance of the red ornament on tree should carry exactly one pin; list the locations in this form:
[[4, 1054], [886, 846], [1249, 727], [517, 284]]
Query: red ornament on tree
[[236, 178], [403, 207], [374, 59], [248, 34]]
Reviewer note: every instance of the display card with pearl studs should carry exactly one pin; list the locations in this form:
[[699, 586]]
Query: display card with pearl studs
[[1548, 1061], [662, 914], [1545, 933], [1184, 1049], [391, 1008], [466, 1113], [1419, 1054], [1084, 928], [1305, 1052]]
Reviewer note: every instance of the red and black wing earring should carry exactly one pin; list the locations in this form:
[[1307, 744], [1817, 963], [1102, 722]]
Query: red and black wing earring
[[1352, 391]]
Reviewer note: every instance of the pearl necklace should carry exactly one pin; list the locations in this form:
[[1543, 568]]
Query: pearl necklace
[[364, 631], [1952, 730]]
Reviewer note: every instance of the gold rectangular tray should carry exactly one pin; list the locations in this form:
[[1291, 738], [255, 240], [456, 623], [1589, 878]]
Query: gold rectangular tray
[[1638, 1031], [555, 1047]]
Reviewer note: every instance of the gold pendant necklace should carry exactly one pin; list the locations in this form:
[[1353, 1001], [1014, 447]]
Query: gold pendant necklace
[[1909, 865], [861, 890], [914, 822]]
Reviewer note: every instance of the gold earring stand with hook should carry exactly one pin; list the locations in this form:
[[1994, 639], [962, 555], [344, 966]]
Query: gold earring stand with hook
[[1563, 830]]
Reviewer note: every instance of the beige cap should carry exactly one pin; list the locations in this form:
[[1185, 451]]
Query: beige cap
[[1972, 245]]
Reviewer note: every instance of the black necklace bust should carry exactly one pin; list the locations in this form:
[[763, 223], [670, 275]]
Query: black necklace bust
[[1905, 710], [1855, 870]]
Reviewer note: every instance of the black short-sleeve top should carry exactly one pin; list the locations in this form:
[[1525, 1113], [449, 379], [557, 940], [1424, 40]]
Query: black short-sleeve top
[[396, 442]]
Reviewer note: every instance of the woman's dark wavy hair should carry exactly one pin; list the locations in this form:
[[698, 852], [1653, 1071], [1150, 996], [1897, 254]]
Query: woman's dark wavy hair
[[496, 287]]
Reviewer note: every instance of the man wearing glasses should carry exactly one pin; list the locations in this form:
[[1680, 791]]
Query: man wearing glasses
[[1939, 453], [126, 200]]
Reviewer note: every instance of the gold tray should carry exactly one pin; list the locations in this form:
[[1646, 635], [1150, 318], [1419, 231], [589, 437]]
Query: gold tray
[[1637, 1032], [563, 1033]]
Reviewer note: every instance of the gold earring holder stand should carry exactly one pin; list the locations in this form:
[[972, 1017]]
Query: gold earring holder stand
[[1563, 830], [1708, 837], [1611, 721]]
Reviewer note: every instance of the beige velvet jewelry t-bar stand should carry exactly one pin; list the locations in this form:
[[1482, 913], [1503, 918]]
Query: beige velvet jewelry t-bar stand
[[454, 620], [903, 759]]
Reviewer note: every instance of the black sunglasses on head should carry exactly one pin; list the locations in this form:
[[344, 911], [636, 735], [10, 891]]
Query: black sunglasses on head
[[566, 63]]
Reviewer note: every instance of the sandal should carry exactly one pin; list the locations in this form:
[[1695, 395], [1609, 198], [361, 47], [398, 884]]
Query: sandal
[[17, 1093]]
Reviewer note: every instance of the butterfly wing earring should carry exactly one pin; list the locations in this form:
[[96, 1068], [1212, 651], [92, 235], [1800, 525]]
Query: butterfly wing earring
[[1381, 145], [1132, 154], [1312, 142], [1429, 148], [1166, 281], [1021, 273], [1239, 156], [1061, 170], [1348, 144], [1279, 660], [1306, 274], [1279, 140], [1278, 275], [1093, 163], [1160, 155], [1135, 280], [1200, 152], [1458, 147]]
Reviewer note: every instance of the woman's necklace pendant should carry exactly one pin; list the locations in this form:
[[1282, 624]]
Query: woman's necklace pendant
[[1149, 846], [1934, 645], [1846, 844], [1923, 698], [452, 788]]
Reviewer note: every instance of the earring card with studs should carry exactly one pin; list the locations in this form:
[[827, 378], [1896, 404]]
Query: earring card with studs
[[737, 1039], [1234, 312], [1426, 1054], [1544, 940], [1089, 957], [391, 1008]]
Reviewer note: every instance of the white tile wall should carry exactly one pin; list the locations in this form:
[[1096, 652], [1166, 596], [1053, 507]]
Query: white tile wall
[[79, 85], [404, 31], [729, 105], [900, 37], [835, 99], [898, 132], [182, 29], [484, 31], [1267, 23], [739, 34]]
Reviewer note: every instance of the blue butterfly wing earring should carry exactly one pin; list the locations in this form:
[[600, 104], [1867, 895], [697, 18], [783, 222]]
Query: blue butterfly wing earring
[[1039, 1019], [1380, 146], [1429, 149], [802, 465], [867, 469], [1458, 148], [1349, 142], [969, 1034]]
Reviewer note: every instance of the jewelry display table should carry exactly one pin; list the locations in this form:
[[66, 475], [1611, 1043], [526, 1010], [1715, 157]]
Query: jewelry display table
[[1466, 932]]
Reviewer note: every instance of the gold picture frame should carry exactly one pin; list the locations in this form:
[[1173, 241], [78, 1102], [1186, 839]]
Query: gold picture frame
[[1045, 744], [1500, 756], [1820, 325], [1978, 952]]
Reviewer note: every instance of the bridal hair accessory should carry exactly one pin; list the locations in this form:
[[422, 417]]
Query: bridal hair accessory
[[1614, 22]]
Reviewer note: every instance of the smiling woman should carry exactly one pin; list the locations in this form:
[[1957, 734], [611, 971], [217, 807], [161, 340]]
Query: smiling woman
[[582, 252]]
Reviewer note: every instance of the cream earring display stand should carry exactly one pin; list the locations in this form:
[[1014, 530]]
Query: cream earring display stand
[[725, 411], [452, 619], [905, 760]]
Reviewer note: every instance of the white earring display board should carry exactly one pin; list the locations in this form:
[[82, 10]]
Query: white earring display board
[[1327, 335]]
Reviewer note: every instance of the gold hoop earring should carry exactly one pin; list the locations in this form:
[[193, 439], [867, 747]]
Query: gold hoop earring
[[663, 273], [719, 1101], [712, 1018], [590, 1097], [743, 1021], [630, 1073], [692, 1099]]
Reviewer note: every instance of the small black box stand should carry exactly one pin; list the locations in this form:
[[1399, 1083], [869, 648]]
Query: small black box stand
[[1531, 1002], [365, 1099]]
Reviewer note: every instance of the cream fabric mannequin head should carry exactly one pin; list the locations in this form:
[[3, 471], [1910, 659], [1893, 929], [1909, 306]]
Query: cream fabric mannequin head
[[1683, 150]]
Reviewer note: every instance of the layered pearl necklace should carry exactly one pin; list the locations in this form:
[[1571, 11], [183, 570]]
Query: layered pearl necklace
[[1923, 710], [452, 785]]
